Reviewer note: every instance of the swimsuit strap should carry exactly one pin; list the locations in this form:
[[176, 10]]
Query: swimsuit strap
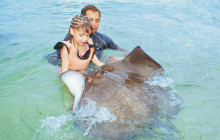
[[84, 52]]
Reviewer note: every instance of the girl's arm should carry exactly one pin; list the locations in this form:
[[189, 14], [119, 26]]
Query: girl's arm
[[96, 61], [64, 59]]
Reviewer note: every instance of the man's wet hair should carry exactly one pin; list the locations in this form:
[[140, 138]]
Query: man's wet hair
[[90, 7]]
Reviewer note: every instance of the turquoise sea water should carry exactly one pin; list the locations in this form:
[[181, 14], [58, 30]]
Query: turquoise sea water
[[183, 36]]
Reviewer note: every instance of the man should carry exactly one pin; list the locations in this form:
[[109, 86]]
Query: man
[[100, 40]]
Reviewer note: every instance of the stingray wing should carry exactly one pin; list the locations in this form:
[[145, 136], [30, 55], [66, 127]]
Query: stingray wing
[[138, 62]]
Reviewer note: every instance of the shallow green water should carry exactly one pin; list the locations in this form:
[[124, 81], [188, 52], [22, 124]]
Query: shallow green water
[[183, 36]]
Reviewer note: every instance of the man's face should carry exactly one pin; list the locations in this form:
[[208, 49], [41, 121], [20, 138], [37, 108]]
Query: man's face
[[94, 18]]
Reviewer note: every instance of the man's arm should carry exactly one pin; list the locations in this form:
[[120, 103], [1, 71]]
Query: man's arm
[[109, 44], [112, 45]]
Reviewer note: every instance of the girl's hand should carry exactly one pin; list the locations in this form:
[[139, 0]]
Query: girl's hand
[[90, 41], [97, 62]]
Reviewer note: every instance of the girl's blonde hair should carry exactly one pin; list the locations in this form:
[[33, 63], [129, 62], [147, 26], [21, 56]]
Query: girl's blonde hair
[[80, 21]]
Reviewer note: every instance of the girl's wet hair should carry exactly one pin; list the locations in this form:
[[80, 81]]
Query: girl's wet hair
[[80, 21]]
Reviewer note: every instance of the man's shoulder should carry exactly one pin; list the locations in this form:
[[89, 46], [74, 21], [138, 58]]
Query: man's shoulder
[[100, 34], [103, 36]]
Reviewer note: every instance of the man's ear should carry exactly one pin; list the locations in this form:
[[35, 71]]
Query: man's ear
[[71, 31]]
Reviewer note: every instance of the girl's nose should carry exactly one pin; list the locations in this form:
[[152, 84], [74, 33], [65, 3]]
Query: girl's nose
[[84, 38]]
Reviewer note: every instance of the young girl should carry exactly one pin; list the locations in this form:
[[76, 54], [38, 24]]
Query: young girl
[[76, 50]]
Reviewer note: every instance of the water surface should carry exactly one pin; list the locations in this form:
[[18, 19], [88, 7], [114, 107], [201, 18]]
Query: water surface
[[183, 36]]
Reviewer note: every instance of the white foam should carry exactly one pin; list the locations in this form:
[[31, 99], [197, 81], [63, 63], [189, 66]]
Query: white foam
[[89, 112], [161, 81], [93, 114], [168, 101], [54, 123]]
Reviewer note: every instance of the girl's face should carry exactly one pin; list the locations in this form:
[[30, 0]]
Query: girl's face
[[80, 37]]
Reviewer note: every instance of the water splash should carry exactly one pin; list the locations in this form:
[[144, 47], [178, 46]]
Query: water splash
[[93, 114], [168, 104], [161, 81], [165, 83], [53, 124], [169, 101]]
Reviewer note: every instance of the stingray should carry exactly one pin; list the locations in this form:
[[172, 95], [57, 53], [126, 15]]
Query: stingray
[[124, 100]]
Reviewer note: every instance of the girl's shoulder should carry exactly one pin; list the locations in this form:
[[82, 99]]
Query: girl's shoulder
[[60, 44]]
